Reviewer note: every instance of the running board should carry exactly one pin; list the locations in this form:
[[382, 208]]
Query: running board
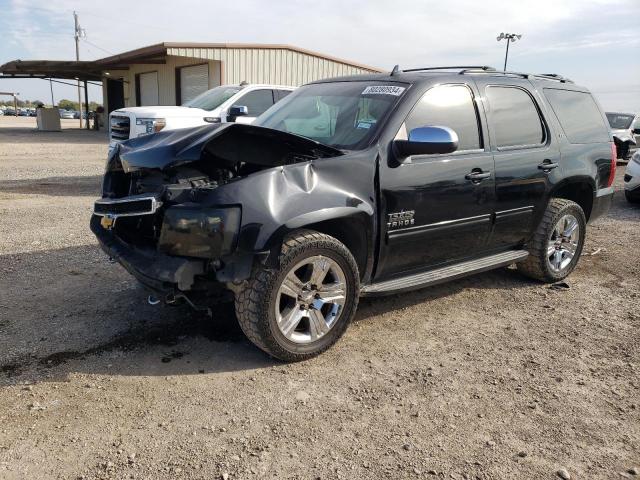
[[444, 274]]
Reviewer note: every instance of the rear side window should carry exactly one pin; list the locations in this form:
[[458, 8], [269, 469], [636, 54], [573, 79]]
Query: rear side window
[[514, 117], [448, 106], [579, 115], [257, 102]]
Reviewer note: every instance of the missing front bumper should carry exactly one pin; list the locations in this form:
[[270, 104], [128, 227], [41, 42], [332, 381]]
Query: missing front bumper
[[157, 271]]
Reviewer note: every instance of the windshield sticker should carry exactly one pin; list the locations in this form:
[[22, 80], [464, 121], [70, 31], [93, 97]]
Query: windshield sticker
[[366, 125], [383, 90]]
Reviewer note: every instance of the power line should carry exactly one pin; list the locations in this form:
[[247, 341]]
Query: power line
[[98, 47]]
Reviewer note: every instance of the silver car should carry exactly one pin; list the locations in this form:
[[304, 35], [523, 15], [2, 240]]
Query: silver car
[[67, 114]]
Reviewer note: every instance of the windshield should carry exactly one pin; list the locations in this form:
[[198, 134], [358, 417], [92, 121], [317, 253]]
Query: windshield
[[618, 121], [340, 114], [212, 99]]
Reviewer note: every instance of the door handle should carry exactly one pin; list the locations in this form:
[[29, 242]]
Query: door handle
[[477, 176], [548, 165]]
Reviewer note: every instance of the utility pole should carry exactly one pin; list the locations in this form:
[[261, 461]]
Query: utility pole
[[509, 37], [77, 34], [506, 55]]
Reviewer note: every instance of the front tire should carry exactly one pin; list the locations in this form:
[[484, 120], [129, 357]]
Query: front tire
[[301, 309], [557, 244]]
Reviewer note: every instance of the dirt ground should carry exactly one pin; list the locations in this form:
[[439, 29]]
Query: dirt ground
[[490, 377]]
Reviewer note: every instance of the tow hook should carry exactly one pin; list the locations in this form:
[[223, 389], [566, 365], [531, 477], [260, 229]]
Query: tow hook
[[153, 300], [198, 308]]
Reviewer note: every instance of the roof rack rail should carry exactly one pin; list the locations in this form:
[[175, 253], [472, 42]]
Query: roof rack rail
[[554, 76], [495, 72], [484, 69], [455, 67], [546, 76]]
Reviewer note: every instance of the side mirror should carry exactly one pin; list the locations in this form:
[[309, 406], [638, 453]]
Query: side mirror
[[636, 131], [426, 141], [236, 111]]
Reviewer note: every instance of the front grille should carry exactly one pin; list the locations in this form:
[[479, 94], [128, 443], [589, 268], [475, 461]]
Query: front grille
[[120, 127], [137, 219], [128, 206], [627, 177]]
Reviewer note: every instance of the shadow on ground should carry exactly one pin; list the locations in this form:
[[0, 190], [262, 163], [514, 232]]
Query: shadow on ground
[[55, 186], [82, 306], [67, 135]]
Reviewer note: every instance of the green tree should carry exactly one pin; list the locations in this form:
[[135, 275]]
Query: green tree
[[68, 105]]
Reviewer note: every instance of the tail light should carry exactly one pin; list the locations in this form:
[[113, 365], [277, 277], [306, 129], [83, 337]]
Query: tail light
[[612, 169]]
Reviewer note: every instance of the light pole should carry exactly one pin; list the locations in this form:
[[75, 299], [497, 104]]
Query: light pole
[[509, 37]]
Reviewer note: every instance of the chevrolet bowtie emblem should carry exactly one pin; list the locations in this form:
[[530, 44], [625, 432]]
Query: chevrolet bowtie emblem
[[107, 222]]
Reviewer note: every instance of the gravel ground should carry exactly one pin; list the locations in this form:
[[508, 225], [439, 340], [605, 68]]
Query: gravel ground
[[490, 377]]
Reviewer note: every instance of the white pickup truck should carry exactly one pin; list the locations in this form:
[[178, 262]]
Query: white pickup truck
[[226, 103]]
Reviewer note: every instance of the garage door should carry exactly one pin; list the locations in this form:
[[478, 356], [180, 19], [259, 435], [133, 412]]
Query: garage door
[[149, 88], [193, 81]]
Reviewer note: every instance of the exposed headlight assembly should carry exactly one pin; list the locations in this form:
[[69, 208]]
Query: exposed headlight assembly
[[199, 232], [152, 125]]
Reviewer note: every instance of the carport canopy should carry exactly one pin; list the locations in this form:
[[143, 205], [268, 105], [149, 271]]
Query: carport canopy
[[63, 69], [82, 70]]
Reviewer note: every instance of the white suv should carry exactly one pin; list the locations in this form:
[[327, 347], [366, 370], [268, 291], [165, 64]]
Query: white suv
[[632, 179], [226, 103]]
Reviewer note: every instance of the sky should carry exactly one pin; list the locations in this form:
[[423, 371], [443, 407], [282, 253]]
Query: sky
[[596, 43]]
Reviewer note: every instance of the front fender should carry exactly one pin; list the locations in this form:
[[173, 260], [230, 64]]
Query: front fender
[[278, 200]]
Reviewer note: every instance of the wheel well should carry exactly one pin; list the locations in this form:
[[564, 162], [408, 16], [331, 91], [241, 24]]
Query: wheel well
[[581, 193], [352, 232]]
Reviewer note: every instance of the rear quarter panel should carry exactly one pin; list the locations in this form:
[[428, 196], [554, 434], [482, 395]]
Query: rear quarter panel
[[580, 162]]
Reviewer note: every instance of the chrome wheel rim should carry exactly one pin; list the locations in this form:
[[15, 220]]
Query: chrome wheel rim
[[310, 299], [563, 243]]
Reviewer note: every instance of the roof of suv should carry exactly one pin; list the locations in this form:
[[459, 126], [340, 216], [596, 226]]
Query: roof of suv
[[244, 85]]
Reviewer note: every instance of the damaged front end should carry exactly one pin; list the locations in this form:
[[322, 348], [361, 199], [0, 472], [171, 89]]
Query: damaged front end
[[188, 211]]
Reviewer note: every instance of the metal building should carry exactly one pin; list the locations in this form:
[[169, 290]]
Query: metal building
[[171, 73]]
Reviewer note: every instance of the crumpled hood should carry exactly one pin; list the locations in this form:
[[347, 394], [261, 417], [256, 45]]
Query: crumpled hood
[[230, 141], [164, 112]]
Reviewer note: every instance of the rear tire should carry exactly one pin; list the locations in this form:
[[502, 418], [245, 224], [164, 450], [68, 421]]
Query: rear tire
[[557, 244], [302, 308]]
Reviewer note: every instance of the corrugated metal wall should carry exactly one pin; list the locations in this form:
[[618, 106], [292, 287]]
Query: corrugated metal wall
[[233, 65], [273, 66], [166, 78]]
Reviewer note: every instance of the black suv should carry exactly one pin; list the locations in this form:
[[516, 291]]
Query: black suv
[[361, 185]]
